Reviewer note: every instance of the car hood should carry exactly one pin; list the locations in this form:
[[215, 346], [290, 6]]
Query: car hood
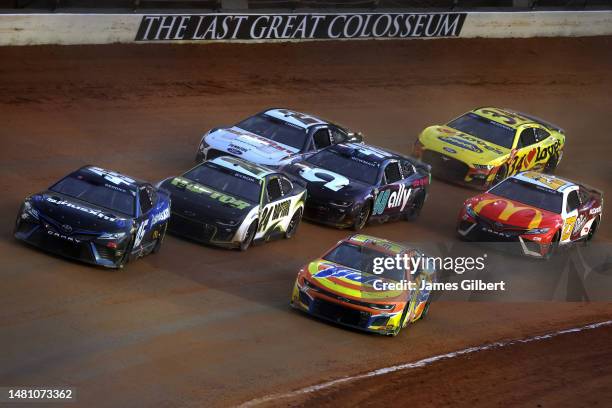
[[323, 183], [459, 145], [509, 212], [68, 215], [252, 147], [194, 200], [350, 283]]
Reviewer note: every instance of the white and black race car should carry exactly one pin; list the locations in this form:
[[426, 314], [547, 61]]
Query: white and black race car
[[231, 203], [273, 138]]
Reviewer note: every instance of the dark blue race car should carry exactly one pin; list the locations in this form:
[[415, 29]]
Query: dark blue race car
[[350, 184], [96, 216]]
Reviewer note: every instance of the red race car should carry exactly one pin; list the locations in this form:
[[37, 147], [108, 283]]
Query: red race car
[[539, 211]]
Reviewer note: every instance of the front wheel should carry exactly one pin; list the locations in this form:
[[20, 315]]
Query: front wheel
[[249, 236], [362, 217], [294, 224], [554, 244]]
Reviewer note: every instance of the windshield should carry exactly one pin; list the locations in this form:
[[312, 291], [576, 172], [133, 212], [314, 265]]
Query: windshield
[[362, 259], [274, 129], [233, 184], [530, 194], [348, 166], [484, 129], [103, 195]]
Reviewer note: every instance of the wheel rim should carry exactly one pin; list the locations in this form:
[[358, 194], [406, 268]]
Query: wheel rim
[[592, 231], [293, 224], [552, 163]]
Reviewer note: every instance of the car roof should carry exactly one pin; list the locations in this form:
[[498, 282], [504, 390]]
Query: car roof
[[547, 181], [242, 166], [379, 243], [110, 177], [518, 119], [366, 152], [303, 120]]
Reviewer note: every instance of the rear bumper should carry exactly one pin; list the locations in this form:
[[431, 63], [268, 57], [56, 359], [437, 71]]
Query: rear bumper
[[87, 251]]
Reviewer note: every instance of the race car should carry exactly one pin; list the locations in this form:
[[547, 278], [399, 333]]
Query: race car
[[96, 216], [486, 145], [344, 287], [541, 212], [232, 203], [273, 138], [350, 184]]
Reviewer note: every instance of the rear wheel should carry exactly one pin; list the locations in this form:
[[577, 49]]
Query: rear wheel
[[362, 217], [552, 163], [249, 236], [592, 230], [501, 174], [294, 224], [415, 208], [160, 239]]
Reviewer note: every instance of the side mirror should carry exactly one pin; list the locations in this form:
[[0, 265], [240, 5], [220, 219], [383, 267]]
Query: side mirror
[[355, 137]]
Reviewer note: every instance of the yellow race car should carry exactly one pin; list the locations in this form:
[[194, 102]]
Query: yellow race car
[[482, 147]]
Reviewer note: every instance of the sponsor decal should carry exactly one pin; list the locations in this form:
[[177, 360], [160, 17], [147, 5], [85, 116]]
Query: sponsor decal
[[510, 209], [162, 216], [91, 211], [594, 211], [460, 142], [274, 212], [333, 181], [298, 26], [528, 158], [112, 176], [62, 236], [245, 136], [448, 149], [339, 272], [387, 199], [233, 150], [196, 188]]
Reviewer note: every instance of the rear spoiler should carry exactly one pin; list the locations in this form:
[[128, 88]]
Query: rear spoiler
[[547, 124]]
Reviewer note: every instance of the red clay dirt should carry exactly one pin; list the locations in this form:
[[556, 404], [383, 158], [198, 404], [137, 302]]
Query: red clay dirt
[[197, 326]]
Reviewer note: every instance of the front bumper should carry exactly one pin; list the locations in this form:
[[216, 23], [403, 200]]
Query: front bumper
[[456, 171], [322, 212], [77, 247], [532, 245], [332, 310], [203, 231]]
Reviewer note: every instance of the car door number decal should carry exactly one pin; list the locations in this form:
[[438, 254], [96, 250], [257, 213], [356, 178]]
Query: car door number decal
[[273, 212], [315, 175], [140, 234], [568, 227]]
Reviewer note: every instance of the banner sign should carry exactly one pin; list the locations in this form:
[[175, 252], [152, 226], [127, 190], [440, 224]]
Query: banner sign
[[296, 26]]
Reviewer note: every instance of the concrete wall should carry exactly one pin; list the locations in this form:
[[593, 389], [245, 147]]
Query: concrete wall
[[32, 29]]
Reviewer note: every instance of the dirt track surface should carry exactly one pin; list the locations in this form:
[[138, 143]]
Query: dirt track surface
[[198, 326], [570, 370]]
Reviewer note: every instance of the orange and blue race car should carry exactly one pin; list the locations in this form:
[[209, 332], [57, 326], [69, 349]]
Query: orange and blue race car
[[344, 286], [482, 147], [541, 212]]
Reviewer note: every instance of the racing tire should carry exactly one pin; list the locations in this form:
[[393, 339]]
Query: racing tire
[[415, 208], [248, 238], [362, 217], [551, 164], [160, 240], [294, 224], [501, 175], [126, 257], [554, 245], [592, 231]]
